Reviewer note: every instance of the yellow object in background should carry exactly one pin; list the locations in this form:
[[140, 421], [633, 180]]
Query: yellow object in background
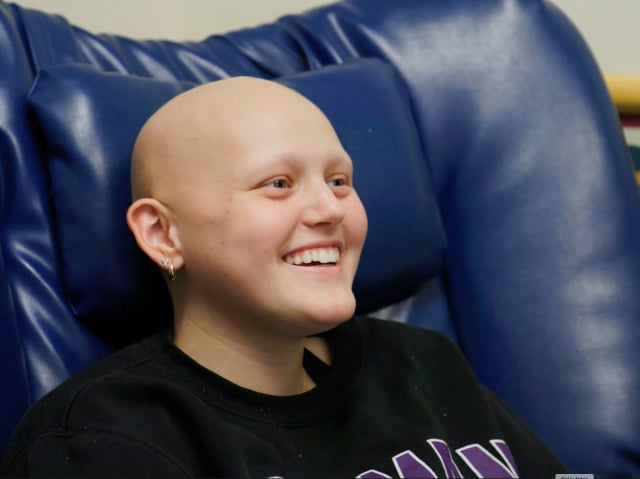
[[625, 92]]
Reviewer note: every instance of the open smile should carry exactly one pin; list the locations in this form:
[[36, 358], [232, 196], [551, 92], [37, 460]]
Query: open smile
[[316, 256]]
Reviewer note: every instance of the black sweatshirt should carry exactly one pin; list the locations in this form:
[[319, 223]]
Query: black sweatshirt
[[396, 402]]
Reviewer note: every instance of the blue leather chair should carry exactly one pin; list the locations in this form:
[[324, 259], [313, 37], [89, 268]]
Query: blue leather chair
[[504, 210]]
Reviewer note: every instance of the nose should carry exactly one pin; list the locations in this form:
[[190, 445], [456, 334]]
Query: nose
[[322, 206]]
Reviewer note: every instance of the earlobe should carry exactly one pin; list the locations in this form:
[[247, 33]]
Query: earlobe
[[152, 226]]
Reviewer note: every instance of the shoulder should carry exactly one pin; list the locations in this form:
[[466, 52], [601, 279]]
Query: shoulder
[[388, 335], [89, 453], [84, 391], [439, 374], [128, 361], [413, 353]]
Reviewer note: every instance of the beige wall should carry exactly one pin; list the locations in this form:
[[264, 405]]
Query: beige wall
[[611, 27], [174, 19]]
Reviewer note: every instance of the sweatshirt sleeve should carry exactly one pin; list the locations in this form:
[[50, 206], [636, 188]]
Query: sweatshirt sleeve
[[96, 454], [533, 458]]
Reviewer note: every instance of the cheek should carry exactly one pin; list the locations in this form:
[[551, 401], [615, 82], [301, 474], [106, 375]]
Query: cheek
[[255, 230], [356, 222], [202, 243], [203, 232]]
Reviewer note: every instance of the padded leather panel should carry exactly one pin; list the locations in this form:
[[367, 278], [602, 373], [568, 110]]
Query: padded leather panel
[[90, 120]]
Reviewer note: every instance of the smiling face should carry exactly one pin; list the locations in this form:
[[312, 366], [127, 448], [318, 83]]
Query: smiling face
[[267, 226]]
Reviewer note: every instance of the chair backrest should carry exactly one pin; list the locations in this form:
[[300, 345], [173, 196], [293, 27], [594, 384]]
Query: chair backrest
[[503, 205]]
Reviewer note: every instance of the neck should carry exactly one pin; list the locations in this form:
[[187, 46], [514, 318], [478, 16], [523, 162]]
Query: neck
[[255, 361]]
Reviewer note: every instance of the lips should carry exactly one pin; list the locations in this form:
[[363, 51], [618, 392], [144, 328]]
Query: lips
[[328, 255]]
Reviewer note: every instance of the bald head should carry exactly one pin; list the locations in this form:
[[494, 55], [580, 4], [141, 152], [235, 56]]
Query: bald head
[[208, 123], [229, 180]]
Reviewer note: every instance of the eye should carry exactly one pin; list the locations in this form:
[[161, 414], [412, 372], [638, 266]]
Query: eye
[[338, 181], [279, 183]]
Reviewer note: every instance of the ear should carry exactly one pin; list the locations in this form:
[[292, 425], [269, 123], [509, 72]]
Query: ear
[[154, 230]]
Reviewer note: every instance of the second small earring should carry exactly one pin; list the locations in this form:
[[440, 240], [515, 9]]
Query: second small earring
[[167, 265]]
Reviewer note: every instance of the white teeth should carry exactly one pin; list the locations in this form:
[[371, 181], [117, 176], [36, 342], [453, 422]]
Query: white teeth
[[306, 257], [316, 255]]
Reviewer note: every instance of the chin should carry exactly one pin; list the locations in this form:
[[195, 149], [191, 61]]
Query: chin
[[332, 313]]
